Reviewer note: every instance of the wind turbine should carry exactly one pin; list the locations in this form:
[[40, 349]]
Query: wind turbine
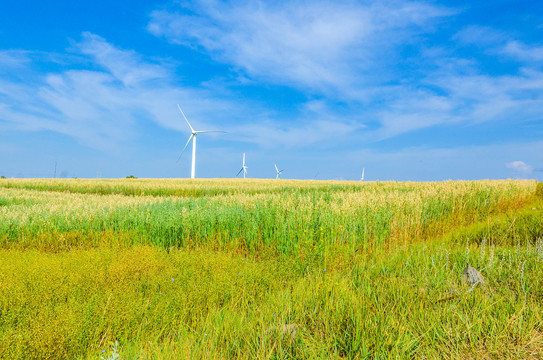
[[243, 168], [362, 177], [279, 172], [193, 138]]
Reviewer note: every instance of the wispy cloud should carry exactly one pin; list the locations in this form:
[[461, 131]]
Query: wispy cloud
[[327, 47], [361, 72], [100, 108], [482, 36], [124, 65], [356, 53], [322, 134], [442, 163], [462, 99], [12, 59], [103, 108], [524, 52], [520, 167]]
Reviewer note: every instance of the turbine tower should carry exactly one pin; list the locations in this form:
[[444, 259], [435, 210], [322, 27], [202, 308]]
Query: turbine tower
[[243, 168], [278, 172], [362, 177], [193, 138]]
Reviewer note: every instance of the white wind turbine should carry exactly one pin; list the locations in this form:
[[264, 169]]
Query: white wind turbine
[[362, 177], [193, 138], [243, 167], [279, 172]]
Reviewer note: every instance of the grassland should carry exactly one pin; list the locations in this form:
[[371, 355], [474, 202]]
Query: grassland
[[175, 269]]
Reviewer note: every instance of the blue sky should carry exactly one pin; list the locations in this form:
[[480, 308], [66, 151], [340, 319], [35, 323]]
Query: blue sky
[[410, 90]]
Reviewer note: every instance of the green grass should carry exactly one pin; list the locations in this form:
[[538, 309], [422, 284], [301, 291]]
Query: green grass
[[299, 220], [384, 304], [176, 187], [401, 298]]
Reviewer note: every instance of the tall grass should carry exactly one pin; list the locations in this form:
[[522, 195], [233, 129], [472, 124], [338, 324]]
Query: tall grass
[[298, 220], [176, 187], [294, 271], [196, 304]]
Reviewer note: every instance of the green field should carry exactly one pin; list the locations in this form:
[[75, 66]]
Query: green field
[[241, 269]]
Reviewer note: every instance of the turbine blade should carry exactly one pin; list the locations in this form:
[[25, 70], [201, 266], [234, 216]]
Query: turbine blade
[[187, 144], [276, 169], [244, 159], [239, 172], [191, 129], [210, 131]]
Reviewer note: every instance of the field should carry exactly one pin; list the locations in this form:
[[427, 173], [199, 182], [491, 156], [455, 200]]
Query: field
[[240, 269]]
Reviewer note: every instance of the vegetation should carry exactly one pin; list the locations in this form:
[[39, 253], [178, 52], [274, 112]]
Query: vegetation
[[250, 217], [213, 269]]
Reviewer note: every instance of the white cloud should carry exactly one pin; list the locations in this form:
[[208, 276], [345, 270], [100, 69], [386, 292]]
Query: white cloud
[[103, 109], [462, 99], [98, 108], [480, 36], [125, 65], [343, 52], [329, 47], [13, 59], [321, 134], [413, 110], [425, 163], [520, 167], [524, 52], [351, 52]]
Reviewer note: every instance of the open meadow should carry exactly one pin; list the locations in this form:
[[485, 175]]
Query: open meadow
[[266, 269]]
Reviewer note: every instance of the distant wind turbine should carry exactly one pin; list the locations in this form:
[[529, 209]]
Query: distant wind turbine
[[193, 138], [279, 172], [243, 168], [362, 177]]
